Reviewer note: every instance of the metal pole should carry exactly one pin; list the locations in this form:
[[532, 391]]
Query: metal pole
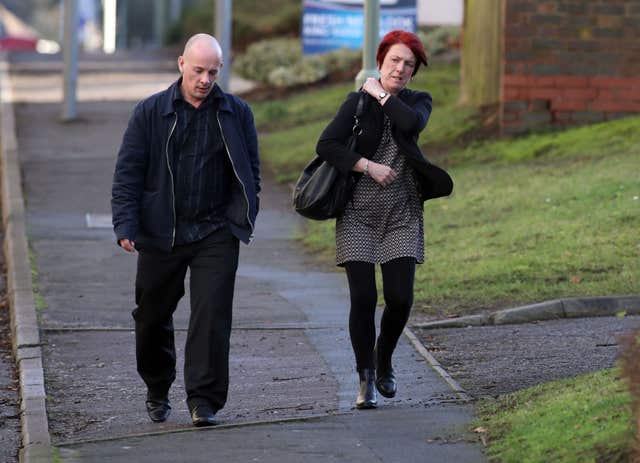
[[175, 10], [70, 53], [371, 36], [222, 29], [159, 22], [122, 25], [109, 24]]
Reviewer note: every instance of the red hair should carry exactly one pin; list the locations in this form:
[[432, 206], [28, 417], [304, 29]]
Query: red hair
[[406, 38]]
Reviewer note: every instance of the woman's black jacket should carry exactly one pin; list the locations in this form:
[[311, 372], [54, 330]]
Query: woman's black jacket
[[409, 112]]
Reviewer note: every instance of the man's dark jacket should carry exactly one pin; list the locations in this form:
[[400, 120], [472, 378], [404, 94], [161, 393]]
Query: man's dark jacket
[[143, 194], [409, 113]]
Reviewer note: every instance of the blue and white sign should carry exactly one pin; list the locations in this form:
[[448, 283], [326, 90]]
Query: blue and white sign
[[328, 25]]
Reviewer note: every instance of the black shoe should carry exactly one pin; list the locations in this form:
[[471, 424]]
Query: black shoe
[[367, 395], [203, 415], [386, 383], [385, 378], [158, 409]]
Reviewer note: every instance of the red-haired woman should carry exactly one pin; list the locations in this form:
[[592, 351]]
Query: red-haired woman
[[383, 223]]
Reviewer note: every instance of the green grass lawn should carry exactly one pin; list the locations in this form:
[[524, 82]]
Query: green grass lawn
[[539, 227], [584, 419], [540, 217]]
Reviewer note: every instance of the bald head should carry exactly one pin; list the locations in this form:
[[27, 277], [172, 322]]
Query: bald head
[[200, 65], [202, 43]]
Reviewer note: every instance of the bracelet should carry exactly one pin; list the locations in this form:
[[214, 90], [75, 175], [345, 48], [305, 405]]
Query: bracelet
[[366, 168]]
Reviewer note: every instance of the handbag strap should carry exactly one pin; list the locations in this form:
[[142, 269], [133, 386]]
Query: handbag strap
[[356, 129]]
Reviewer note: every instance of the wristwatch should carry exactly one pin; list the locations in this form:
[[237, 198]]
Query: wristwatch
[[382, 95]]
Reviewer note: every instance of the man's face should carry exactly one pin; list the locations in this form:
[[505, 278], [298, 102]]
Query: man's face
[[200, 67], [397, 67]]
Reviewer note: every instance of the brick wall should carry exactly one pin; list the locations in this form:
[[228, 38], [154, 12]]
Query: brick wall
[[569, 62]]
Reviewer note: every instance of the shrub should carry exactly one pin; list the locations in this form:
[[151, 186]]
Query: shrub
[[438, 40], [251, 20], [280, 62]]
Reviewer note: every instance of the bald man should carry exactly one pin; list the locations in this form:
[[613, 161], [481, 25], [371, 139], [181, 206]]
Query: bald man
[[185, 192]]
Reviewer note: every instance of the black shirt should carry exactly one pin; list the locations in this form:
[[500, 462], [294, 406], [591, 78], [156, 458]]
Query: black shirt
[[202, 170]]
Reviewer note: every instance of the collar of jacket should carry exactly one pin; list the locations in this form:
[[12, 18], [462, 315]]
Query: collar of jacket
[[167, 103]]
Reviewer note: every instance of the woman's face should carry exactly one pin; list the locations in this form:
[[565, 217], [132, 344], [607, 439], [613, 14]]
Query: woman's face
[[397, 67]]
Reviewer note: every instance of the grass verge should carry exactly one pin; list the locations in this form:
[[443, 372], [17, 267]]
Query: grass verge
[[584, 419]]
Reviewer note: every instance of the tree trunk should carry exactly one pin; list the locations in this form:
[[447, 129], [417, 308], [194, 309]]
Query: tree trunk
[[481, 52]]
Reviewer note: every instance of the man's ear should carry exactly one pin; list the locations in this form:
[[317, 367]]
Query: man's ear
[[180, 63]]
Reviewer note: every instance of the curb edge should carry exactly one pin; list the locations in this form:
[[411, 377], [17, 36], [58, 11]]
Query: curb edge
[[36, 440], [575, 307]]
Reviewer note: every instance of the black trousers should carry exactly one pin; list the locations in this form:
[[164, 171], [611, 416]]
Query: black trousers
[[213, 262], [397, 278]]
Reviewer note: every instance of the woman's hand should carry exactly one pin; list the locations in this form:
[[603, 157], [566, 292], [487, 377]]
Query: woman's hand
[[382, 174], [373, 87]]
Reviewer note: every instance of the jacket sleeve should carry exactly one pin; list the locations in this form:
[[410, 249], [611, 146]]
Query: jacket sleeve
[[251, 138], [128, 179], [410, 117], [332, 145]]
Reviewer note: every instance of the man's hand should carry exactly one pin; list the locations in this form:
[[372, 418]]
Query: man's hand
[[127, 245]]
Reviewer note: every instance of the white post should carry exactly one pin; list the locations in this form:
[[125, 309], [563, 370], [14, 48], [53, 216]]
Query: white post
[[109, 24], [70, 53], [371, 37], [222, 29]]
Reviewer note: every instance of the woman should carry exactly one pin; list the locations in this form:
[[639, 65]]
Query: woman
[[383, 223]]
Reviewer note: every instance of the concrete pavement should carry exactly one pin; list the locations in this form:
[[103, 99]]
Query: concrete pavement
[[292, 377]]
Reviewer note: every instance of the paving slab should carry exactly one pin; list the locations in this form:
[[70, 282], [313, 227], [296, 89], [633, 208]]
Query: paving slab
[[391, 435], [96, 391]]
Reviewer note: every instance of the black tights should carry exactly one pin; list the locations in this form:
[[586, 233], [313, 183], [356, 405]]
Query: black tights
[[397, 280]]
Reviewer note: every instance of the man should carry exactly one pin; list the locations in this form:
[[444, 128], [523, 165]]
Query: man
[[185, 192]]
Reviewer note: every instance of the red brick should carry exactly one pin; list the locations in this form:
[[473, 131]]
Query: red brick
[[564, 104], [543, 81], [544, 93], [614, 105], [628, 94], [512, 94], [580, 93], [606, 94], [548, 7], [572, 81], [610, 22], [515, 80], [611, 82]]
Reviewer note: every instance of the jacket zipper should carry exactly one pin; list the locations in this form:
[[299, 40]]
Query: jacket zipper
[[173, 188], [244, 190]]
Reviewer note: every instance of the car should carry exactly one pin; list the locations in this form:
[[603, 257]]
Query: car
[[16, 41]]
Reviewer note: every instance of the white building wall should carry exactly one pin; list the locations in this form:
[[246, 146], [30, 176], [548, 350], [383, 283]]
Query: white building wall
[[445, 12]]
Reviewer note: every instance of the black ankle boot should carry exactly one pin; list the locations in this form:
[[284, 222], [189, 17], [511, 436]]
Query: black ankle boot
[[385, 378], [367, 395]]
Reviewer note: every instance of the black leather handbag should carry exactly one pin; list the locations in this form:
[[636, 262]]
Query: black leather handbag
[[322, 192]]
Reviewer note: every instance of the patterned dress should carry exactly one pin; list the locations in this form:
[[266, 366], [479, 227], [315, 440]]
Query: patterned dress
[[383, 223]]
